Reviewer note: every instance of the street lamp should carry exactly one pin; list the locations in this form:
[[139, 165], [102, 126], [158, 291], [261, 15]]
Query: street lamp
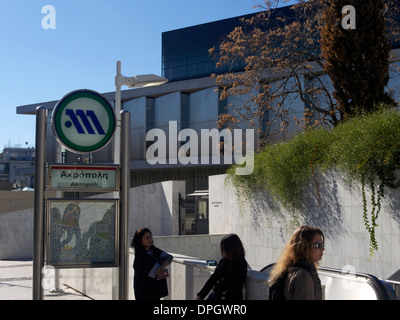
[[132, 82], [140, 81], [146, 80]]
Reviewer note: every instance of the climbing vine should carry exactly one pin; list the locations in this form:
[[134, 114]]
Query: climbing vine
[[370, 224], [365, 150]]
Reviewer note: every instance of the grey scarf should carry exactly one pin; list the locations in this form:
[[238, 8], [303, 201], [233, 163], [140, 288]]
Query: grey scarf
[[310, 267]]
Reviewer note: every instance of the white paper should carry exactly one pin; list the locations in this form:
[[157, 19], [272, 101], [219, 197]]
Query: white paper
[[152, 273]]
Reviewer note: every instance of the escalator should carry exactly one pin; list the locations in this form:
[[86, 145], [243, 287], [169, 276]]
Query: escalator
[[345, 285]]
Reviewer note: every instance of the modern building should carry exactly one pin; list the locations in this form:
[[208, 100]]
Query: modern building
[[190, 100]]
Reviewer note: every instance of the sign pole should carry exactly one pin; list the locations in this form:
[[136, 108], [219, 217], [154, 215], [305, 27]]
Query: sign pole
[[123, 275], [38, 224], [58, 195], [117, 111]]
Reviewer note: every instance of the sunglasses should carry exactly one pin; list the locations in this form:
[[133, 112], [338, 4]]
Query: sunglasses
[[319, 245]]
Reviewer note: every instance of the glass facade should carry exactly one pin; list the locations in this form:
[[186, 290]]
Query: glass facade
[[185, 52]]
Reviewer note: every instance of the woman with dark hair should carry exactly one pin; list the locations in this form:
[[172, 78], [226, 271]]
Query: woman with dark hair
[[296, 266], [150, 262], [230, 274]]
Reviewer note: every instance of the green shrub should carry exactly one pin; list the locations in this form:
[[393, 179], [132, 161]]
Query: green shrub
[[366, 149]]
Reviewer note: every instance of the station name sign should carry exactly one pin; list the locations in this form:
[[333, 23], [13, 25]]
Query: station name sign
[[83, 177]]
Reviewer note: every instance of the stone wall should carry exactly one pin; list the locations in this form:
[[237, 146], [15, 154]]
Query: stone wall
[[264, 227], [16, 235]]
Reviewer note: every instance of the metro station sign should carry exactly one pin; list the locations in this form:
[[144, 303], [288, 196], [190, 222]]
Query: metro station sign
[[70, 177], [83, 121]]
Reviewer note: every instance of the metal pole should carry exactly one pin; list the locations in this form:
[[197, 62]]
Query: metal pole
[[123, 276], [38, 222], [116, 155], [56, 288], [117, 110]]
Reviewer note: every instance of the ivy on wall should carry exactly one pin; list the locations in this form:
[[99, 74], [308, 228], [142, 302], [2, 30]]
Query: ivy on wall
[[365, 149]]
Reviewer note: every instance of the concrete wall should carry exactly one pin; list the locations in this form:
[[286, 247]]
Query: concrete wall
[[15, 200], [102, 283], [16, 224], [155, 206], [202, 246], [203, 112], [265, 228], [16, 235], [137, 108], [97, 283]]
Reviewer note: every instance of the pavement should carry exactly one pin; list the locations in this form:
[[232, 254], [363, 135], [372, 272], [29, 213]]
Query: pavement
[[16, 283]]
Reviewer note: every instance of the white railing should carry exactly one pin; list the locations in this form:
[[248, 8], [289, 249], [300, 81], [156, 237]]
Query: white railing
[[188, 275]]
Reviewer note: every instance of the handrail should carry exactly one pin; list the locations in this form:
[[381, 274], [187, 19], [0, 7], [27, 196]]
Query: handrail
[[379, 289], [397, 283], [267, 267]]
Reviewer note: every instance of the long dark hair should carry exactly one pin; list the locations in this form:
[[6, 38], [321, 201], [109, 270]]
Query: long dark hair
[[137, 238], [232, 246]]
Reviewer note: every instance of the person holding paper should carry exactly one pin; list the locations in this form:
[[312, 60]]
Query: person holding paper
[[150, 267]]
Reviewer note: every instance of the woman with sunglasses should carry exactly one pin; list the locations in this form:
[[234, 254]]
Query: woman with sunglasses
[[297, 265]]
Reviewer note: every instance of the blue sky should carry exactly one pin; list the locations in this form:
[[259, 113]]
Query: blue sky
[[38, 65]]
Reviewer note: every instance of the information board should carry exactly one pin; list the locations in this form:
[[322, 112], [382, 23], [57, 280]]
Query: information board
[[82, 233]]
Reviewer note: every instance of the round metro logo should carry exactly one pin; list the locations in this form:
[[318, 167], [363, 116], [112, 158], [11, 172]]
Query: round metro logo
[[84, 121]]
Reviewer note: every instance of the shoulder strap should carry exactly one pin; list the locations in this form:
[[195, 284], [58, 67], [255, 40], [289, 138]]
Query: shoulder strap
[[277, 288]]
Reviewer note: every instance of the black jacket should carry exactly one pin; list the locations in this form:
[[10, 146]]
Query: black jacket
[[147, 288], [228, 277]]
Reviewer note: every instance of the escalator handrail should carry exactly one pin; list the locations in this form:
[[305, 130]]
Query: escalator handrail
[[267, 267], [376, 284]]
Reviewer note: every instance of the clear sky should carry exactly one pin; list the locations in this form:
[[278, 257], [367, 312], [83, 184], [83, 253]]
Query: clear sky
[[39, 65]]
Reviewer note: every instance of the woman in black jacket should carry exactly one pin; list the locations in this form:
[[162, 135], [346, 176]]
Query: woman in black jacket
[[149, 265], [230, 274]]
